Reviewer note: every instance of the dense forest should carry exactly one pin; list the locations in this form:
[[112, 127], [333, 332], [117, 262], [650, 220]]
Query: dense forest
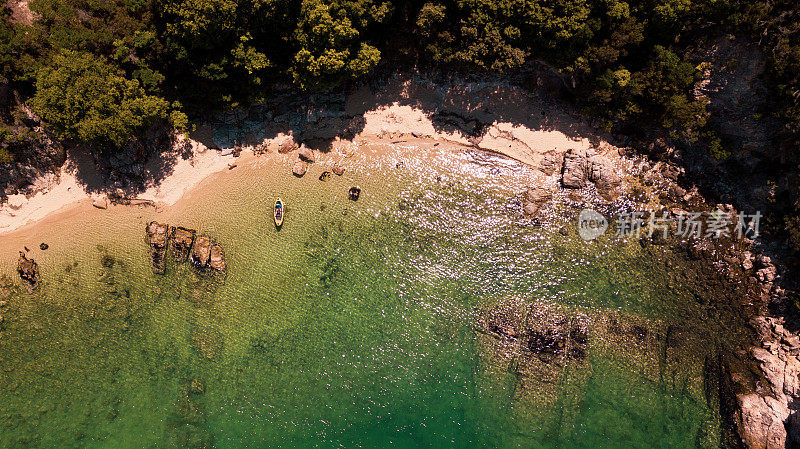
[[104, 71]]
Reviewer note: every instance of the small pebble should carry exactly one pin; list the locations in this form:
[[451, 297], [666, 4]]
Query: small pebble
[[44, 246]]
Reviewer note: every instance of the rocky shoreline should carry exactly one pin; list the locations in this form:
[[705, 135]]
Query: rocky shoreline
[[761, 383]]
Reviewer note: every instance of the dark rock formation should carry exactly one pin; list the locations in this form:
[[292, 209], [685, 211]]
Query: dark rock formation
[[182, 239], [201, 251], [158, 239], [325, 176], [354, 193], [28, 269]]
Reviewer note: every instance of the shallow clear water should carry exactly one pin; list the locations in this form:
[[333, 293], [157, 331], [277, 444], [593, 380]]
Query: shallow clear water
[[353, 326]]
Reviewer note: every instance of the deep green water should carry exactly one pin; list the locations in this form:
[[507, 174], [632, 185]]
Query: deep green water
[[351, 327]]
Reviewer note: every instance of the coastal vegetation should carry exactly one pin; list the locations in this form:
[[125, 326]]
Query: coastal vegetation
[[105, 73], [623, 61]]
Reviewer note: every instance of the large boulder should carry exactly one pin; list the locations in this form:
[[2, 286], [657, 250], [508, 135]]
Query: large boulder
[[299, 168], [158, 239], [604, 176], [182, 240], [550, 163], [287, 145], [216, 258], [201, 251], [574, 170], [306, 154], [28, 269]]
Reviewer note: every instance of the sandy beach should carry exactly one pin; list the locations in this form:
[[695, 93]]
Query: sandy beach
[[396, 123]]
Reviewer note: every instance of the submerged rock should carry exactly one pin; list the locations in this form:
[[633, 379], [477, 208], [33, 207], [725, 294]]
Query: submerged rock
[[338, 170], [216, 258], [158, 239], [182, 240], [201, 251], [196, 386], [28, 269], [354, 193], [533, 199]]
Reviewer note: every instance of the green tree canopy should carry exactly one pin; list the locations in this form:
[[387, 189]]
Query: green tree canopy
[[330, 51], [85, 99]]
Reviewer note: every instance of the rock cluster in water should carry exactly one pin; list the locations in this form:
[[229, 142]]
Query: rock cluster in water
[[202, 251], [28, 269], [544, 350]]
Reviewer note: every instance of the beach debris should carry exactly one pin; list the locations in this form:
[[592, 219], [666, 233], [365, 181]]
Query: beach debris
[[306, 154], [100, 203], [201, 251], [338, 170], [232, 166], [326, 175], [43, 246], [28, 269], [354, 193], [158, 239], [216, 258], [182, 240], [299, 168]]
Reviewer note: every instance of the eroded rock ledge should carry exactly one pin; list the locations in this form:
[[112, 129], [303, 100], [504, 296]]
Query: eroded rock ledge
[[203, 252]]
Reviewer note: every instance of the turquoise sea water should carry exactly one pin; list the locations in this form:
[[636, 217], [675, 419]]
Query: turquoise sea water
[[354, 325]]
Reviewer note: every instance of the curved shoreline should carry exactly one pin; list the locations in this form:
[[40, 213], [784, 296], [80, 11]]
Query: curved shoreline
[[400, 124]]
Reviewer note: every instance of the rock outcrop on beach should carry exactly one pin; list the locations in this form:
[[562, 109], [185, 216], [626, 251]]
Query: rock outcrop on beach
[[299, 168], [574, 171], [158, 239], [583, 166], [182, 240], [28, 269], [306, 154], [534, 198]]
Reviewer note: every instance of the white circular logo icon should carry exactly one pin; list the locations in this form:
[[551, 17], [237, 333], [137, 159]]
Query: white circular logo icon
[[591, 224]]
